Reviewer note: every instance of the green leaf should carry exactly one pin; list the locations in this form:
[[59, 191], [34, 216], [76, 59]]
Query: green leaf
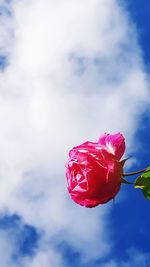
[[143, 182]]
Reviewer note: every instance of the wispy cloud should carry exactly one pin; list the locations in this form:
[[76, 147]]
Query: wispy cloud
[[75, 70], [134, 258]]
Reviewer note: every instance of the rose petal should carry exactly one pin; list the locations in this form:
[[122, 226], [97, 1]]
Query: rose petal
[[114, 144]]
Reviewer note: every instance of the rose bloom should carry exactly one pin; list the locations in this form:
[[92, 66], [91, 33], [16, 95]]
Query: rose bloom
[[94, 170]]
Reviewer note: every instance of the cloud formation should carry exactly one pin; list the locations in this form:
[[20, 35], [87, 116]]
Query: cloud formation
[[134, 258], [75, 71]]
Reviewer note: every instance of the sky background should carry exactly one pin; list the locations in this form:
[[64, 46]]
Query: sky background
[[69, 71]]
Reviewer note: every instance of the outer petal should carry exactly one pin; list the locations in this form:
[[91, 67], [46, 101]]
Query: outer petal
[[85, 147], [114, 144]]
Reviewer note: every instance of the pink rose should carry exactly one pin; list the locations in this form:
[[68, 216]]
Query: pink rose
[[94, 171]]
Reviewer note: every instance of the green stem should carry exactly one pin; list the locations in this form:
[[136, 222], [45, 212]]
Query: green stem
[[133, 173]]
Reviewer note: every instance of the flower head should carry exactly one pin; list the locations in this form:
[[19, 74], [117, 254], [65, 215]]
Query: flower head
[[94, 171]]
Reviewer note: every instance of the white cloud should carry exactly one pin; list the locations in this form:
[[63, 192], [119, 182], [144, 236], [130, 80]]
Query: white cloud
[[75, 71], [7, 247], [46, 257]]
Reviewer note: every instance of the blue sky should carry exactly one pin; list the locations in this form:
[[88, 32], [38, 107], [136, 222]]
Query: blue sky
[[131, 217], [58, 60], [140, 14]]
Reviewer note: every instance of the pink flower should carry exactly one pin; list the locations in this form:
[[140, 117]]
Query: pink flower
[[94, 171]]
